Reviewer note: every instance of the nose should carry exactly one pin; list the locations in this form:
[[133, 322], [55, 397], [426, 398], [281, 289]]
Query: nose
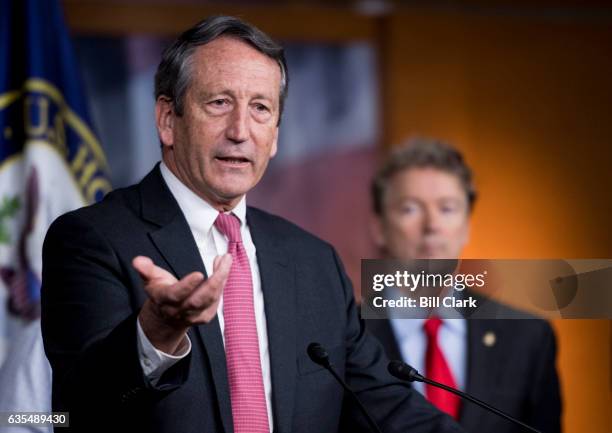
[[237, 129], [431, 222]]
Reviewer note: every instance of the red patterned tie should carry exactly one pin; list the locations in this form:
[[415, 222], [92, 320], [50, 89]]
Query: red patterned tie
[[241, 343], [437, 369]]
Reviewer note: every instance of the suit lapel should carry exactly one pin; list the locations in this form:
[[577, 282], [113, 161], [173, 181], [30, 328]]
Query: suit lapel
[[277, 280], [483, 368], [175, 243]]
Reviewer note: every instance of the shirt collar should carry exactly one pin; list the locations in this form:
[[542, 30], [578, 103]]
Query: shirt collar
[[200, 214], [405, 328]]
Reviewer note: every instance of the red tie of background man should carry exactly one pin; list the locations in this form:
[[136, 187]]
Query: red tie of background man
[[241, 343], [437, 369]]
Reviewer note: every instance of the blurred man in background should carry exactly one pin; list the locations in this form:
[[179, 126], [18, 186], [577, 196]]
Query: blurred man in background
[[423, 197]]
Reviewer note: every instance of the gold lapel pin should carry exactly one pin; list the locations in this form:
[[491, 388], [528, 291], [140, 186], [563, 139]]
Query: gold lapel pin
[[489, 339]]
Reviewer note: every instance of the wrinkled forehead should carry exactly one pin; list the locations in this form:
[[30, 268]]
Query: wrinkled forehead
[[231, 62]]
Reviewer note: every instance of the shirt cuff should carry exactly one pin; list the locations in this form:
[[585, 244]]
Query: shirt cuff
[[154, 362]]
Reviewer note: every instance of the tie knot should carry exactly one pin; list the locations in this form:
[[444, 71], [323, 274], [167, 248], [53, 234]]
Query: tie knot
[[432, 325], [229, 225]]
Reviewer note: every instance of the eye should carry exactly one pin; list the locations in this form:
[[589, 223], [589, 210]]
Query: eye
[[218, 106], [450, 208], [219, 102], [261, 108], [409, 208]]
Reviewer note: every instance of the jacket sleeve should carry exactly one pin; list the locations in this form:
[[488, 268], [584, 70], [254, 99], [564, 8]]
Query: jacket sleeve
[[544, 405], [395, 406], [89, 325]]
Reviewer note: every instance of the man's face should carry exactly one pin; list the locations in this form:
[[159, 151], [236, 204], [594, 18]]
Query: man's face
[[425, 216], [221, 145]]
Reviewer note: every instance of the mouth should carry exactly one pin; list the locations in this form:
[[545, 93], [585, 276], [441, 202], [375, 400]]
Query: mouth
[[430, 251], [233, 161]]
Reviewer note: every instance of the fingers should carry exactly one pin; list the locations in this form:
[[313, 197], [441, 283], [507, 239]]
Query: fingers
[[221, 269], [178, 292], [150, 272], [161, 285], [210, 290], [190, 300]]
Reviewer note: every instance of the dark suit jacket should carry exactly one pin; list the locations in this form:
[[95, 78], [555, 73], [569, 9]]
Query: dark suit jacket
[[91, 297], [517, 374]]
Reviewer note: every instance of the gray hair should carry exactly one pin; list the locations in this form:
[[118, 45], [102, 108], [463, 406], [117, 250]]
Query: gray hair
[[422, 153], [174, 71]]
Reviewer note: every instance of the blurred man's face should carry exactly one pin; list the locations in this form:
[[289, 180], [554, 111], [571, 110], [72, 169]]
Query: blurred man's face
[[425, 216], [221, 145]]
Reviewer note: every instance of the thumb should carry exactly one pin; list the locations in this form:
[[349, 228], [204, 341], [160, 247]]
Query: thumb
[[221, 269]]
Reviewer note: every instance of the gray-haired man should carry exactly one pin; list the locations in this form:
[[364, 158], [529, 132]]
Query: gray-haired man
[[134, 329]]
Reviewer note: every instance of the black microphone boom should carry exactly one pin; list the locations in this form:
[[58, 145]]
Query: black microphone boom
[[319, 355], [403, 371]]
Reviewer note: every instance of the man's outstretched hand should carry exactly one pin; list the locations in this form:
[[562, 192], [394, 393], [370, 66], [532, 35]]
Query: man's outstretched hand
[[175, 305]]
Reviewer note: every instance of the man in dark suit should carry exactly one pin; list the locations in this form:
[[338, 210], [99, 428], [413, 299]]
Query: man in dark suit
[[171, 306], [423, 197]]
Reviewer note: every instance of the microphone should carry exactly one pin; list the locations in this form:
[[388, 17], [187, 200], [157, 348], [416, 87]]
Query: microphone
[[319, 355], [403, 371]]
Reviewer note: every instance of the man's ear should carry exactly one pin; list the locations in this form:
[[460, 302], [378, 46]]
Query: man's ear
[[274, 147], [164, 120]]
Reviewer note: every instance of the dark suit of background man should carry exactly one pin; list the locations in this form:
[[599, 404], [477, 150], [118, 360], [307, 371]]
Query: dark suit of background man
[[423, 197], [139, 337]]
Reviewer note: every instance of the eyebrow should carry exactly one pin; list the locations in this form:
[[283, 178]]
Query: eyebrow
[[444, 199], [204, 95], [453, 199], [262, 96]]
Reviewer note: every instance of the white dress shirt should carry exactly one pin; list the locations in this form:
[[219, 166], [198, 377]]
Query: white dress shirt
[[201, 216]]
